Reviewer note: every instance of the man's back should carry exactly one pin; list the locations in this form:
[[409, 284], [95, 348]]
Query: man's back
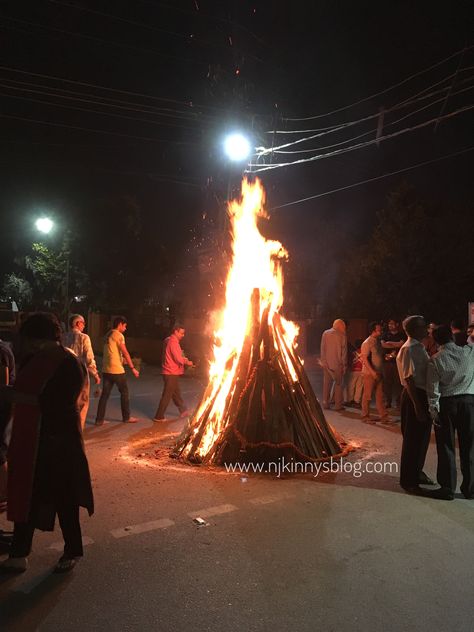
[[333, 349], [112, 359]]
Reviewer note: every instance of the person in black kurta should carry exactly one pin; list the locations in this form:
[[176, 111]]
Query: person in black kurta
[[48, 469]]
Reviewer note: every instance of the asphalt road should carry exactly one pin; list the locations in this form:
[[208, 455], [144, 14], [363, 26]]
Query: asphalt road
[[335, 551]]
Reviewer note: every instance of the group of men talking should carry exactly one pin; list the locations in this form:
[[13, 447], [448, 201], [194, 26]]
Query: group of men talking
[[437, 391]]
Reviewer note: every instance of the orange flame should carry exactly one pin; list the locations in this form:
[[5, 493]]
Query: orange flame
[[256, 263]]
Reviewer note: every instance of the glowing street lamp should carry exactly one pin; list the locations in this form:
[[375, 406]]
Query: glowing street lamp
[[237, 147], [44, 225]]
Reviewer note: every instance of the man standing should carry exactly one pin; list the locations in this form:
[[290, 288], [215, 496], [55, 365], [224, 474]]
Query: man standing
[[79, 342], [412, 363], [372, 370], [334, 362], [392, 340], [173, 363], [113, 371], [450, 387]]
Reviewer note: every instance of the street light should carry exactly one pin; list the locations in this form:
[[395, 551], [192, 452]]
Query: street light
[[237, 147], [44, 225]]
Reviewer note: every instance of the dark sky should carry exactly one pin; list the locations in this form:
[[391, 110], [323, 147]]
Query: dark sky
[[103, 100]]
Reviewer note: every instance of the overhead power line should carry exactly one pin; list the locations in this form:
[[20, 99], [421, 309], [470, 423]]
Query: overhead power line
[[95, 131], [359, 145], [376, 94], [384, 175]]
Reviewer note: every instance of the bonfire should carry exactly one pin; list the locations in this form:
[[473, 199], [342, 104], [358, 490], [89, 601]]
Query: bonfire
[[259, 404]]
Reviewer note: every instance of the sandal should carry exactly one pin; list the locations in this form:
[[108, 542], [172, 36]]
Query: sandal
[[65, 564]]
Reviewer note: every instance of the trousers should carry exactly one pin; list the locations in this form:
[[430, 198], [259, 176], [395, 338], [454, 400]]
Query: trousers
[[330, 377], [369, 384], [172, 391], [456, 415], [416, 439], [68, 515], [108, 381]]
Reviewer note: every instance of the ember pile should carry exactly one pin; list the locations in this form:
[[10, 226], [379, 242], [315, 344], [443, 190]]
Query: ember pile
[[259, 404]]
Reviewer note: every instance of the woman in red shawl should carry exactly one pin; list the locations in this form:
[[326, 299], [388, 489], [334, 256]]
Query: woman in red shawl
[[48, 473]]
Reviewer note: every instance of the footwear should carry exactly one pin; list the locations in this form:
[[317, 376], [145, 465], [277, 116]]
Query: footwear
[[340, 409], [130, 420], [326, 407], [443, 493], [14, 565], [65, 564], [368, 420], [185, 413], [159, 419], [423, 479], [415, 490], [356, 405], [99, 422]]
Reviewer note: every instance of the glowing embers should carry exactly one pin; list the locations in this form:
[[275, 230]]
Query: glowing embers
[[259, 404]]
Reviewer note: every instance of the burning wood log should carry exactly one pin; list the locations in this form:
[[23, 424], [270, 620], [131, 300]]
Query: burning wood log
[[259, 404]]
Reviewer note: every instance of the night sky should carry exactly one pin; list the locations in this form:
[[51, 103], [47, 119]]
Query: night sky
[[105, 101]]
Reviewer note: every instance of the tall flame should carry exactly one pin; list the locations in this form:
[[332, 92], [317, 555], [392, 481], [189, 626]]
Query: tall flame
[[255, 264]]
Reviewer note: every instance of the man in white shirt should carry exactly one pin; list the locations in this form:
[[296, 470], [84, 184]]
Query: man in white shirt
[[450, 388], [412, 362], [334, 362], [79, 342]]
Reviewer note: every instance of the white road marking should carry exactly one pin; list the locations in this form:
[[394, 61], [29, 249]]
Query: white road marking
[[271, 498], [162, 523], [59, 546], [212, 511]]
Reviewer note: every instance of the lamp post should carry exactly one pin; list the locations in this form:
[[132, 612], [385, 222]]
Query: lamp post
[[45, 225]]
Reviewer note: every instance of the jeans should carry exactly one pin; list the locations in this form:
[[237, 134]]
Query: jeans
[[108, 381]]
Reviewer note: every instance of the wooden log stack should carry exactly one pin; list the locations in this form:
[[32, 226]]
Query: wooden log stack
[[271, 410]]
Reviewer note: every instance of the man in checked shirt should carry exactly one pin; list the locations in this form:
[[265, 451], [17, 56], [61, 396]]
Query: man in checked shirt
[[450, 390]]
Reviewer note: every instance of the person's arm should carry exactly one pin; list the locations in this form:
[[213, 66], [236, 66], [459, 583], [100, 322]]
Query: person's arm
[[128, 359], [90, 359], [432, 390], [389, 344], [365, 353], [4, 375], [177, 353], [420, 410], [344, 354]]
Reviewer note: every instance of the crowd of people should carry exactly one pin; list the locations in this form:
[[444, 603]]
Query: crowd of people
[[427, 373], [44, 471]]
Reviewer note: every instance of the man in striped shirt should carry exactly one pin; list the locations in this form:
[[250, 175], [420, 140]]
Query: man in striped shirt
[[450, 390]]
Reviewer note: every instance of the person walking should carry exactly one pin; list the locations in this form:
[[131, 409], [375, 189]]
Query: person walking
[[173, 363], [334, 362], [79, 342], [372, 370], [113, 371], [412, 363], [48, 473], [450, 388]]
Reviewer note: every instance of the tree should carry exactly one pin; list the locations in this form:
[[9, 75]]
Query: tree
[[49, 269], [17, 289], [416, 260]]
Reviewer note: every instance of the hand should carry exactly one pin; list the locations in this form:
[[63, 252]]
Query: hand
[[135, 372], [435, 419], [97, 379], [421, 414]]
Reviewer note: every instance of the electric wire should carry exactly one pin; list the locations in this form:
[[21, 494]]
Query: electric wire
[[384, 175], [359, 145], [376, 94]]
